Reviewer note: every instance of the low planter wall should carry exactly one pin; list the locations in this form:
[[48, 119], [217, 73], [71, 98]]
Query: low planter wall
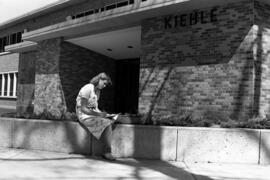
[[68, 137], [265, 147], [139, 141], [218, 145]]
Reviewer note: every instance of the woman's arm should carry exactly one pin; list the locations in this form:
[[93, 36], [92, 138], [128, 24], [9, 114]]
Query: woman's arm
[[89, 111]]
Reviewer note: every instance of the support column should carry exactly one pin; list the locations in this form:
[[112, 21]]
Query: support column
[[49, 96]]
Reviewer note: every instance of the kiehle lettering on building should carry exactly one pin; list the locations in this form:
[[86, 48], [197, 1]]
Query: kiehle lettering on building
[[191, 19]]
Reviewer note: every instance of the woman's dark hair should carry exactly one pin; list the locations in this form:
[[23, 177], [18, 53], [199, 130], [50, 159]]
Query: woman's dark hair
[[102, 76]]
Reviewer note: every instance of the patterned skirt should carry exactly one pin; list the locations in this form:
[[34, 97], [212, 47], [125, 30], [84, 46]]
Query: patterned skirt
[[96, 125]]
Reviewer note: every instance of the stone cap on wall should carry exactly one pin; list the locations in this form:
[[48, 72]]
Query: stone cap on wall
[[21, 47]]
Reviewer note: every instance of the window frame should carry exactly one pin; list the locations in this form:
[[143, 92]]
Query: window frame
[[10, 39], [6, 84]]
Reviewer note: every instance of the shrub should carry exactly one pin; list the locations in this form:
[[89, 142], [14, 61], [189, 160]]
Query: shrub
[[213, 118], [207, 119]]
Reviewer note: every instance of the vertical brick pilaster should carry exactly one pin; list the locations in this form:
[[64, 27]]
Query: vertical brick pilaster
[[262, 58], [26, 83]]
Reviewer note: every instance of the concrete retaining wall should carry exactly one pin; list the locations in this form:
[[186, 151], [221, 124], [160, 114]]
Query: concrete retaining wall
[[68, 137], [218, 145], [148, 142], [265, 147], [138, 141]]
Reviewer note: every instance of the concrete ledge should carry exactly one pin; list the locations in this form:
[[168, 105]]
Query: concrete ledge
[[138, 141], [218, 145], [21, 47], [68, 137], [5, 133]]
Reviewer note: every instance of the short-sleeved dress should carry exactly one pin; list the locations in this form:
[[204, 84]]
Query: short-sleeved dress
[[95, 124]]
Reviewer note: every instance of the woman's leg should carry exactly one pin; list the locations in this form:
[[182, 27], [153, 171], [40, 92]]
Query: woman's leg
[[96, 127], [107, 135]]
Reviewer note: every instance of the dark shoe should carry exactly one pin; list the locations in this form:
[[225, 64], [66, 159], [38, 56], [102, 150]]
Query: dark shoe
[[109, 156]]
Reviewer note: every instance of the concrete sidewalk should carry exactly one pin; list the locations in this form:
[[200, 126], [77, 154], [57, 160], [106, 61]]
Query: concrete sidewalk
[[20, 164]]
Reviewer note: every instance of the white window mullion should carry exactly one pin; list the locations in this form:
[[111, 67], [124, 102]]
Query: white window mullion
[[8, 84], [3, 85], [14, 85]]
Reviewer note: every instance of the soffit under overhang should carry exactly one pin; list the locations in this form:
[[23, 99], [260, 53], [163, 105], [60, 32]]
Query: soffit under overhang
[[118, 44]]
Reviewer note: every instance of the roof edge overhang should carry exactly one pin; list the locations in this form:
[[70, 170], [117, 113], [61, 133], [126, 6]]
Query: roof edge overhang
[[24, 46], [113, 19], [38, 12]]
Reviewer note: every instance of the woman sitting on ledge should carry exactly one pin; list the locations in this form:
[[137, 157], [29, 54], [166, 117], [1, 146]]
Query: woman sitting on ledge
[[88, 113]]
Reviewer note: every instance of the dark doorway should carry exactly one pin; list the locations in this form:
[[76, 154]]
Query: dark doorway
[[127, 85]]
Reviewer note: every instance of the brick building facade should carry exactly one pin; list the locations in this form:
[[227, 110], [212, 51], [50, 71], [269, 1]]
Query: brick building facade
[[194, 56]]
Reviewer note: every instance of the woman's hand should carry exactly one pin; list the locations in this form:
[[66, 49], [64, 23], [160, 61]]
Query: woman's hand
[[103, 114]]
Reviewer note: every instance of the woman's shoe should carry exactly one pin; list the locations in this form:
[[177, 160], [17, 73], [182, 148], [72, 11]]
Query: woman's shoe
[[109, 156]]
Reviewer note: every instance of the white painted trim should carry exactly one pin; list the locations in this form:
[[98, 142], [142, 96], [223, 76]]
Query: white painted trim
[[14, 85], [21, 47], [7, 72], [8, 97], [4, 53], [3, 85], [9, 84]]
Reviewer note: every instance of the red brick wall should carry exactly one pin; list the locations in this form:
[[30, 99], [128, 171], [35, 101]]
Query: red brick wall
[[26, 83], [77, 66], [198, 68]]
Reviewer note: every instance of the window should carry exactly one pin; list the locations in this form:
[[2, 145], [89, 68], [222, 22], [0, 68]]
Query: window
[[121, 4], [112, 6], [8, 84], [19, 37], [10, 39], [13, 38], [4, 43], [105, 8], [87, 13], [1, 45]]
